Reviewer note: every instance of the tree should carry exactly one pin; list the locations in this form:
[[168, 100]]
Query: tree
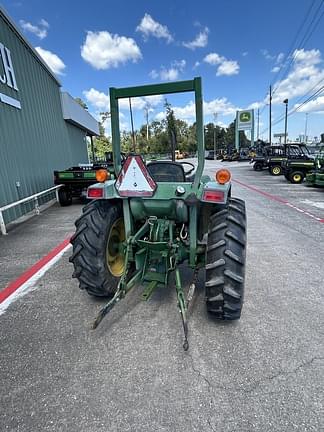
[[230, 138], [81, 102], [171, 127], [101, 144]]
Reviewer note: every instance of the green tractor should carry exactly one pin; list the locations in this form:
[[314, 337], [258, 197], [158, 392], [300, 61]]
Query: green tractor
[[316, 177], [139, 228]]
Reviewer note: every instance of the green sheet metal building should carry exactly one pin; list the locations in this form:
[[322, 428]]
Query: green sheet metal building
[[41, 128]]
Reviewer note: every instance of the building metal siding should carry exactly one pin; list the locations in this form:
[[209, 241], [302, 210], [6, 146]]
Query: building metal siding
[[35, 139]]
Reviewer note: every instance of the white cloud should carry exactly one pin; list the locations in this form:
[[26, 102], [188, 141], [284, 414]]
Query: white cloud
[[213, 59], [200, 41], [245, 53], [160, 116], [149, 27], [52, 60], [44, 23], [275, 69], [220, 106], [154, 74], [228, 67], [280, 57], [197, 63], [38, 30], [305, 75], [316, 105], [180, 64], [104, 50], [169, 74], [256, 105], [140, 102], [225, 67], [267, 55], [99, 100]]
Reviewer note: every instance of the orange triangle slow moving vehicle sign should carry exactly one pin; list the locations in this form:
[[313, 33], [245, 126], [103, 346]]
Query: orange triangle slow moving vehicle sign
[[134, 179]]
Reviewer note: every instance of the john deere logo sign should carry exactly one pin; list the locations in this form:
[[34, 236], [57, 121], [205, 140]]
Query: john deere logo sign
[[245, 116], [244, 119]]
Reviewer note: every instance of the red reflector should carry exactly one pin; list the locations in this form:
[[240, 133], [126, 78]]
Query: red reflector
[[95, 192], [213, 196]]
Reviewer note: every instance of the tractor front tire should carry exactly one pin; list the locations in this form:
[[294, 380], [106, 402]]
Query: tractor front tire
[[225, 261], [258, 166], [98, 256], [275, 170], [64, 196]]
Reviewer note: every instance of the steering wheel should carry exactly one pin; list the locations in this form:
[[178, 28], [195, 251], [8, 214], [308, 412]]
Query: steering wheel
[[191, 169]]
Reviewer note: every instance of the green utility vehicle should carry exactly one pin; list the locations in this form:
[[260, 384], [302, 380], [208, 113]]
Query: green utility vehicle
[[142, 226], [77, 179], [298, 163], [270, 157], [316, 176]]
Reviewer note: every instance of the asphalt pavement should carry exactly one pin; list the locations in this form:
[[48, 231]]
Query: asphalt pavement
[[262, 373]]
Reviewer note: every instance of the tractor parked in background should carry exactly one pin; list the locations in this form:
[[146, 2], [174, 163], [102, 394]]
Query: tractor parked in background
[[316, 176], [76, 180]]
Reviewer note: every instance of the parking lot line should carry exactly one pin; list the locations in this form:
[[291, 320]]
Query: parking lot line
[[31, 275], [280, 200]]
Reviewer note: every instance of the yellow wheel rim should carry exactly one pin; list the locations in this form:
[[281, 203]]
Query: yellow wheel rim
[[276, 170], [297, 177], [115, 257]]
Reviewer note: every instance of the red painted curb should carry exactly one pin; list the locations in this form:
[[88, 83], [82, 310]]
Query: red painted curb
[[278, 199], [14, 285]]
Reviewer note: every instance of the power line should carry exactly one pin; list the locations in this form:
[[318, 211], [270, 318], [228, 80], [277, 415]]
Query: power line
[[285, 67], [315, 25], [293, 110], [309, 31], [291, 48]]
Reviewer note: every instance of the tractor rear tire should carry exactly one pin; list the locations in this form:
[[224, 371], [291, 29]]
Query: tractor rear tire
[[64, 196], [225, 261], [97, 255]]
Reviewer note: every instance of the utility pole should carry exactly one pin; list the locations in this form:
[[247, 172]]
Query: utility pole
[[306, 124], [132, 123], [286, 115], [270, 120], [258, 131], [215, 121], [146, 109]]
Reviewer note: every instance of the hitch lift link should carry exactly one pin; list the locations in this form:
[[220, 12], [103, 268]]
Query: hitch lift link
[[151, 247]]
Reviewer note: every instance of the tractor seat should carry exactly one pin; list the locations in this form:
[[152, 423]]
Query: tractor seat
[[166, 171]]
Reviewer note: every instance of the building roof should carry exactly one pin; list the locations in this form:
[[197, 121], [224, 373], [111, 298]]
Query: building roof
[[75, 114], [28, 45]]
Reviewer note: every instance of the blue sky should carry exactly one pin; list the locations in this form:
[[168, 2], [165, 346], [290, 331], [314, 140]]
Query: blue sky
[[235, 46]]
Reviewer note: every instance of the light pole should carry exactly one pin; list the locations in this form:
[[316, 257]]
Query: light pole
[[258, 133], [286, 115], [215, 121], [305, 136]]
